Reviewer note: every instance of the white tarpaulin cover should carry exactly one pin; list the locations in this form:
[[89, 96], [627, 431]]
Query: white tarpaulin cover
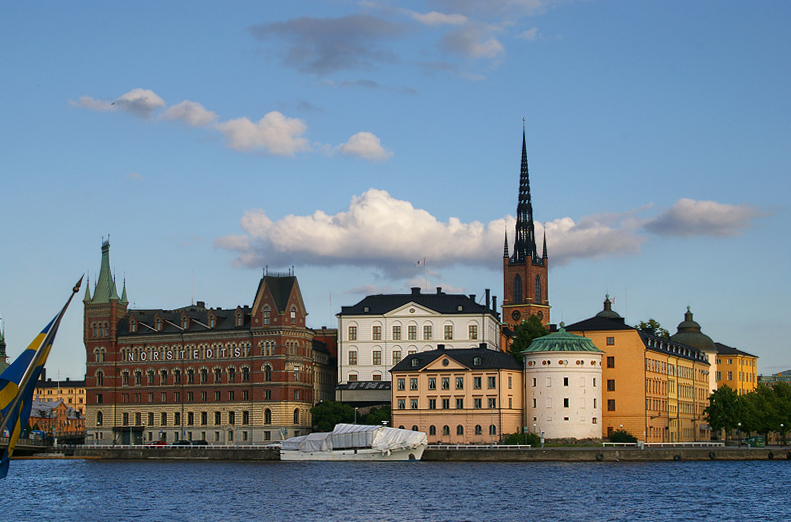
[[351, 436]]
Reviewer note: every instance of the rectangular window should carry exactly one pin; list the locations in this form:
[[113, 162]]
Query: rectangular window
[[125, 420], [245, 395], [151, 418], [396, 357], [446, 383], [473, 332], [594, 404], [150, 397], [396, 333], [267, 394], [353, 358], [432, 404], [566, 402], [459, 404], [353, 377], [296, 395], [610, 404], [565, 381], [448, 332], [610, 362], [401, 385], [245, 417], [412, 333], [413, 383], [217, 418], [534, 382], [377, 377], [445, 404], [432, 383], [413, 404], [163, 419], [730, 376], [190, 418], [476, 383], [610, 341], [177, 418], [492, 382], [459, 383], [427, 332], [535, 402], [610, 384], [352, 333], [204, 418], [377, 333], [476, 403], [401, 404], [203, 396], [492, 403], [217, 396], [231, 396], [177, 396], [377, 357]]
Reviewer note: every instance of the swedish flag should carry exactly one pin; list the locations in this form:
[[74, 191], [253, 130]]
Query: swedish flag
[[18, 382]]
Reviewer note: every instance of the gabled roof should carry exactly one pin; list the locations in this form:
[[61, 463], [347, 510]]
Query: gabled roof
[[598, 323], [439, 302], [280, 288], [727, 350], [486, 359]]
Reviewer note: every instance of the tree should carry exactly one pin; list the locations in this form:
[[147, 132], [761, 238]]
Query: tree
[[524, 334], [724, 410], [327, 414], [652, 326], [376, 416], [622, 436]]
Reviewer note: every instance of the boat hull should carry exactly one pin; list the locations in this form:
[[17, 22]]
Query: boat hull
[[367, 454]]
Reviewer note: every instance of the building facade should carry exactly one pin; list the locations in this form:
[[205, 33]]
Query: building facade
[[228, 376], [736, 369], [563, 383], [458, 396], [654, 388], [57, 418], [72, 393], [525, 273], [381, 330]]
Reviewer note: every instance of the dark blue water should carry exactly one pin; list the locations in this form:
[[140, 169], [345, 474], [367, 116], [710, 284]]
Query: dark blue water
[[77, 490]]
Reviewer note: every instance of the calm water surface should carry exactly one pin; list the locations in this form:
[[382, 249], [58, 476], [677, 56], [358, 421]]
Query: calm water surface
[[81, 490]]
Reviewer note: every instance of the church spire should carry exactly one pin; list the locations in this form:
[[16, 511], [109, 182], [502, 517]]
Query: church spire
[[545, 255], [505, 245], [105, 284], [525, 242]]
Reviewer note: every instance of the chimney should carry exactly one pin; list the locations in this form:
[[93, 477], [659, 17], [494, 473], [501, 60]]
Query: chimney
[[439, 290], [488, 296], [482, 346], [440, 347], [415, 290], [472, 297], [494, 304]]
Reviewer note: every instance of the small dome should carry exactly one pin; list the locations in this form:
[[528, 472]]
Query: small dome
[[608, 313], [561, 341], [689, 333]]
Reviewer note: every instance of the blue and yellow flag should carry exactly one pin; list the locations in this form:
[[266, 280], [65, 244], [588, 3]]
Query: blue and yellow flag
[[18, 382]]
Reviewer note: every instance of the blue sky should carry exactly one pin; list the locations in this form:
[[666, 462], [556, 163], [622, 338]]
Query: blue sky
[[350, 139]]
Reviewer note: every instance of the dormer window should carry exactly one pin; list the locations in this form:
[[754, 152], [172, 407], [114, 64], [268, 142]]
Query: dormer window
[[132, 325], [293, 314], [238, 319], [212, 321], [185, 322], [415, 362], [266, 315], [476, 361], [158, 324]]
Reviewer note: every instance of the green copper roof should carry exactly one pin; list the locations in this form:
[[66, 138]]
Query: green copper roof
[[689, 333], [105, 285], [561, 341]]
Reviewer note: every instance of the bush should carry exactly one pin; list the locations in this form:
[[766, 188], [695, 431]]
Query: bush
[[522, 438], [622, 436]]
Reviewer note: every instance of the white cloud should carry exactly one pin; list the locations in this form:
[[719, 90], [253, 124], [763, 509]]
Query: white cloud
[[688, 217], [530, 34], [274, 133], [381, 231], [437, 18], [190, 113], [365, 145], [93, 104], [140, 102], [473, 42]]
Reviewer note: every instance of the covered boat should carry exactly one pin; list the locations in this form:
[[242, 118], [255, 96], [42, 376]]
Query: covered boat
[[356, 442]]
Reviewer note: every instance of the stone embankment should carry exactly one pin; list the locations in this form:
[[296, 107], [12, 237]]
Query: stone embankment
[[453, 454]]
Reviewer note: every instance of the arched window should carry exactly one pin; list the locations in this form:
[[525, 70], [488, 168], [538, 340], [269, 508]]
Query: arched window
[[100, 378], [217, 375], [267, 373], [163, 377], [432, 430], [492, 430], [538, 289], [478, 429], [267, 416], [99, 418], [517, 289], [296, 416], [446, 430], [150, 375], [245, 374], [231, 374], [204, 376], [459, 430]]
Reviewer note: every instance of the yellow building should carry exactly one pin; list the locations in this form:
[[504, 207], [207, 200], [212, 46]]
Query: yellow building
[[654, 388], [737, 369], [459, 396], [71, 392]]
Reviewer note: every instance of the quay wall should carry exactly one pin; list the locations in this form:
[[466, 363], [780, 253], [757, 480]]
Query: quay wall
[[587, 454]]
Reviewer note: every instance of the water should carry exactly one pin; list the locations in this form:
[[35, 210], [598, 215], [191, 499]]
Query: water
[[91, 490]]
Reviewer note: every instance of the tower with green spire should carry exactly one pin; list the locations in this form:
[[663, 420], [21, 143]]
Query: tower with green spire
[[3, 356]]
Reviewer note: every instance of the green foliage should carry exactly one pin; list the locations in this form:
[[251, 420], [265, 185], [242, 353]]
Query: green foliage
[[524, 334], [522, 438], [327, 414], [653, 326], [376, 416], [765, 410], [724, 410], [622, 436]]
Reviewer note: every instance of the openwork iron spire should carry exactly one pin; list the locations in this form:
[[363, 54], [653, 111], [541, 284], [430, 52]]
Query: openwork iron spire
[[525, 242]]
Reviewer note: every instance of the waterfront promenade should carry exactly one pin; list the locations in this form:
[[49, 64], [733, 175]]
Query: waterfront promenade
[[451, 453]]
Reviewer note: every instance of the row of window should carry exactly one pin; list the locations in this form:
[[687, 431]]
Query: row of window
[[566, 402], [477, 381], [204, 396], [477, 403], [202, 374], [743, 376], [742, 362], [548, 382], [231, 418], [518, 289], [432, 430], [428, 333]]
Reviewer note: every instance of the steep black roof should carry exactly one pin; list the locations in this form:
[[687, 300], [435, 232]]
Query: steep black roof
[[671, 347], [440, 302], [280, 286], [489, 359], [598, 323], [728, 350], [199, 320]]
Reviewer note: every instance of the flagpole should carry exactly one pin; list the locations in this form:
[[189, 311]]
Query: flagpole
[[41, 352]]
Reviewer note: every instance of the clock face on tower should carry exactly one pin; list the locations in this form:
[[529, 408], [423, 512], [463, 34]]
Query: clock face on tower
[[540, 314], [516, 315]]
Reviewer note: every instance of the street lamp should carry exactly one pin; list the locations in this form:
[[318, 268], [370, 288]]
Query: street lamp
[[355, 415]]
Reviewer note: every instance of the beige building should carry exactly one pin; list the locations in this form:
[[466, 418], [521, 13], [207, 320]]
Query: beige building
[[72, 393], [458, 396], [736, 369]]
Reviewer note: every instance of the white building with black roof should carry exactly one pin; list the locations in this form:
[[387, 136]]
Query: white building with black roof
[[379, 331]]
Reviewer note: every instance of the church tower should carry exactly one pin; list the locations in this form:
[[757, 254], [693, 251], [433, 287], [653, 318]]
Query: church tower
[[525, 276]]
